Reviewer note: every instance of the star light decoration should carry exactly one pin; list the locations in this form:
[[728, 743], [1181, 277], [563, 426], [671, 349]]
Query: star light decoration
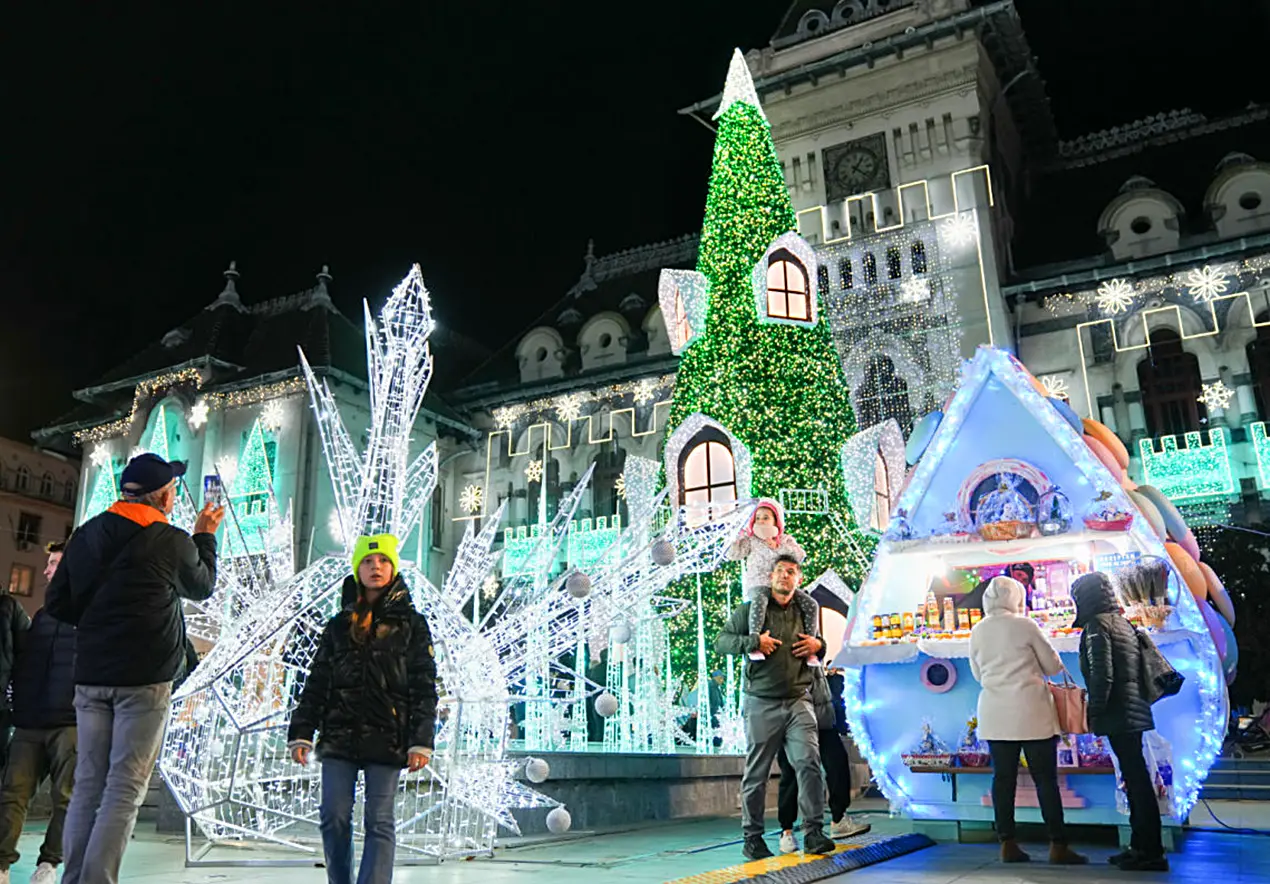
[[471, 498], [1115, 296], [645, 390], [198, 414], [961, 229], [490, 587], [569, 408], [915, 289], [507, 416], [223, 747], [272, 415], [620, 486], [1055, 385], [100, 456], [1206, 283], [1216, 396], [533, 471]]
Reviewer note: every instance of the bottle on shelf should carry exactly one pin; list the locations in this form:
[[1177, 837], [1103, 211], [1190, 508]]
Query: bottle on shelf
[[950, 615], [909, 623], [932, 610]]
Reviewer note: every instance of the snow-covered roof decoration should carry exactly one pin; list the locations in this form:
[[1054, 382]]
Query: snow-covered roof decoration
[[859, 462], [739, 86], [691, 289]]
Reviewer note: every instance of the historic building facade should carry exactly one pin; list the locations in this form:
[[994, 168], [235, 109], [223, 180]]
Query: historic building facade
[[38, 490]]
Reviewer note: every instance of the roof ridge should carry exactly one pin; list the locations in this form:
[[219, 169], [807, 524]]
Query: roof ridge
[[315, 296], [1175, 125], [644, 257]]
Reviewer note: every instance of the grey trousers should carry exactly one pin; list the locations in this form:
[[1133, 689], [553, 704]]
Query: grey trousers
[[769, 726], [120, 732]]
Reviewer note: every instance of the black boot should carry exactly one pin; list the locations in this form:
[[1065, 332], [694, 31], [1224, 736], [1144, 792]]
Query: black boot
[[756, 848]]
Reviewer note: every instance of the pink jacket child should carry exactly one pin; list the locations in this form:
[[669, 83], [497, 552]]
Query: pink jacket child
[[761, 543]]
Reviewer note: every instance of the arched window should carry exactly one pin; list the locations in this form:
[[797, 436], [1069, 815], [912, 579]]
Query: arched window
[[1259, 365], [707, 474], [883, 395], [844, 273], [68, 492], [683, 331], [788, 289], [918, 254], [881, 516], [1170, 383], [46, 485], [893, 268], [23, 479], [870, 269]]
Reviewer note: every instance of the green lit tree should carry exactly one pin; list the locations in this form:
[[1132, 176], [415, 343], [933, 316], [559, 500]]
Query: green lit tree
[[777, 388], [251, 489], [105, 490]]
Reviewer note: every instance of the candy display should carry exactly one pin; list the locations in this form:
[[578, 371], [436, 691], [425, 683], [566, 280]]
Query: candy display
[[1045, 510], [973, 752]]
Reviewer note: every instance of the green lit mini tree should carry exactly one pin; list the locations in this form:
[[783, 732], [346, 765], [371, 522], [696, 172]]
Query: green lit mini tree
[[251, 491], [777, 388]]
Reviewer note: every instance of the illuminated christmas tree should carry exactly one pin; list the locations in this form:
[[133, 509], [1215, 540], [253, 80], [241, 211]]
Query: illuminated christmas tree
[[105, 489], [251, 491], [765, 368]]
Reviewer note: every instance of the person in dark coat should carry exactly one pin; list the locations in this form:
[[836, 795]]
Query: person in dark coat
[[13, 622], [371, 697], [1111, 662], [44, 735], [120, 583]]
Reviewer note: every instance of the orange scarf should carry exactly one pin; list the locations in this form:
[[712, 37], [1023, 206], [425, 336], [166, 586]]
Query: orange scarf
[[141, 513]]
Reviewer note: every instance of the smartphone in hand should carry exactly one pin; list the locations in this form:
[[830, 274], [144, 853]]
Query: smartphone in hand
[[213, 491]]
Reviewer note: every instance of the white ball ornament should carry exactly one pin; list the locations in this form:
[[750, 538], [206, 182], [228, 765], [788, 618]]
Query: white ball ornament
[[537, 770], [558, 821], [578, 585], [606, 704], [620, 634], [663, 552]]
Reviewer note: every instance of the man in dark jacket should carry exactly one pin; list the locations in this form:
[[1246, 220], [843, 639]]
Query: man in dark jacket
[[1111, 662], [44, 738], [13, 622], [121, 583], [778, 711]]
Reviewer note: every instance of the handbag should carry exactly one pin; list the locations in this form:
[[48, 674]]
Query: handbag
[[1159, 678], [1071, 703], [822, 700]]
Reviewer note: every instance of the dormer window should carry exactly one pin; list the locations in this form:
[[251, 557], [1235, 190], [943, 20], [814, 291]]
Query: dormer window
[[788, 289]]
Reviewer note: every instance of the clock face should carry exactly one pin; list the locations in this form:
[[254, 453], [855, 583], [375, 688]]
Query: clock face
[[856, 170], [856, 167]]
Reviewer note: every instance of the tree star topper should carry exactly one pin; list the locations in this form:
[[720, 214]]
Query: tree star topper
[[739, 86]]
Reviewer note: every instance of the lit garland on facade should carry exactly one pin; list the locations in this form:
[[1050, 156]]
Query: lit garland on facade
[[571, 406], [777, 388]]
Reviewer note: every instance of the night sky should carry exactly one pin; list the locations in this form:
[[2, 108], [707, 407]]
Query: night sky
[[486, 141]]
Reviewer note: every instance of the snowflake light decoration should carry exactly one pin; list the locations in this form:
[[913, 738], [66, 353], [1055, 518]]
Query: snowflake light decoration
[[1115, 296], [569, 408], [198, 414], [645, 390], [490, 587], [620, 486], [471, 498], [271, 415], [100, 456], [961, 229], [507, 416], [1206, 283], [1216, 397], [1055, 385], [533, 471], [915, 289]]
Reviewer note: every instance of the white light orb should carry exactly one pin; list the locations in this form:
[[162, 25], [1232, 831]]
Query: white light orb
[[558, 821], [606, 704], [537, 770], [620, 634], [578, 585], [663, 552]]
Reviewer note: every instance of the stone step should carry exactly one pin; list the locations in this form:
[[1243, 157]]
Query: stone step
[[1236, 793]]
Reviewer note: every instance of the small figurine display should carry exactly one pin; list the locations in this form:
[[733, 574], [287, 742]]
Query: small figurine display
[[1004, 514], [1105, 515], [1093, 751], [973, 752], [930, 752], [1053, 513]]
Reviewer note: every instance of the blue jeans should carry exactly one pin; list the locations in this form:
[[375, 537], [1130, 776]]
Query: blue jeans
[[339, 782]]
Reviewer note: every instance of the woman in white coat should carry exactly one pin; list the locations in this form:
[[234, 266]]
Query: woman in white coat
[[1010, 657]]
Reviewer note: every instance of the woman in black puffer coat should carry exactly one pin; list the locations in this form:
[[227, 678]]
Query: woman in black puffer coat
[[1111, 662], [371, 696]]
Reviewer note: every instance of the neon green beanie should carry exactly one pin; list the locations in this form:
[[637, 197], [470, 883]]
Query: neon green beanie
[[384, 544]]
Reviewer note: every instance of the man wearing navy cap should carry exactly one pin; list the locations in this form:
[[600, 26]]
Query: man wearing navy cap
[[120, 583]]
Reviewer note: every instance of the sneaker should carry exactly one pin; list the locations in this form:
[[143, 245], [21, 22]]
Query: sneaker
[[849, 827], [1140, 862], [755, 848], [816, 842], [788, 843], [1117, 858], [45, 873]]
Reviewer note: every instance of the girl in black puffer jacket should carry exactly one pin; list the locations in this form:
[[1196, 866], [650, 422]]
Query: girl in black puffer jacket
[[1111, 662], [371, 695]]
